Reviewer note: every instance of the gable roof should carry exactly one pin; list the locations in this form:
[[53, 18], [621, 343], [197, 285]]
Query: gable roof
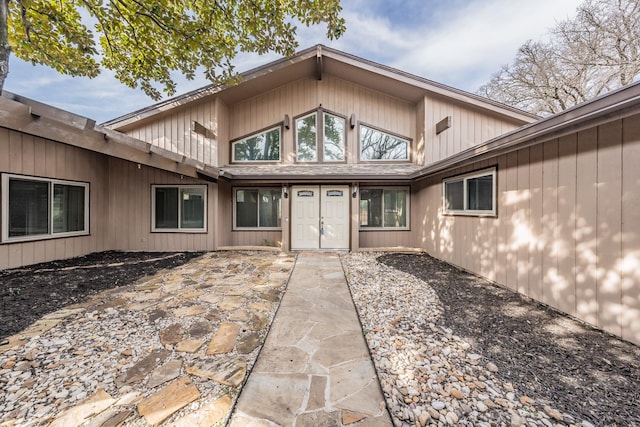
[[316, 62]]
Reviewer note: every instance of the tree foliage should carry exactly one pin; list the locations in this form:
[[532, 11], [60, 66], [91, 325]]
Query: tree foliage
[[144, 41], [597, 51]]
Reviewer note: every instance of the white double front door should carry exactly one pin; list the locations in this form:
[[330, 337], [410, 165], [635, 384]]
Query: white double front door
[[320, 217]]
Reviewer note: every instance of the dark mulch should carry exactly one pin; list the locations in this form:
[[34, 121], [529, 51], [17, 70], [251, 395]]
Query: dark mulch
[[577, 369], [28, 293]]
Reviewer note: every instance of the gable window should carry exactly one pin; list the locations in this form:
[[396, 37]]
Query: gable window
[[179, 208], [257, 208], [260, 147], [40, 208], [326, 137], [384, 208], [471, 194], [378, 145]]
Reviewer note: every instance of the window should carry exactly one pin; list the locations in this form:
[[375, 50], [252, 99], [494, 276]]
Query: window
[[384, 208], [377, 145], [179, 208], [471, 194], [257, 208], [261, 147], [41, 208], [331, 133]]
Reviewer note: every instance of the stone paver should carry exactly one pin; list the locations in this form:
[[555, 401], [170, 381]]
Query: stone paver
[[314, 368], [137, 355]]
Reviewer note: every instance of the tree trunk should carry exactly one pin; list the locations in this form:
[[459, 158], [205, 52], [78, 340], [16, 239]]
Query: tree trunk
[[5, 48]]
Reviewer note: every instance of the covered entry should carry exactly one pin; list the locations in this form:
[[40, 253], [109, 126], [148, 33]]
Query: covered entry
[[320, 217]]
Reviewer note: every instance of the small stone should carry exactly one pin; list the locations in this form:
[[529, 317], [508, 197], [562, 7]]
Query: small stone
[[433, 413], [481, 407], [127, 353], [491, 367], [526, 400], [451, 418], [457, 394], [553, 413], [516, 420], [437, 405]]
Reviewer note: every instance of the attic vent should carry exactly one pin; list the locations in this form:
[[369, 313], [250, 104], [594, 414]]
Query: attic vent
[[443, 125], [201, 130]]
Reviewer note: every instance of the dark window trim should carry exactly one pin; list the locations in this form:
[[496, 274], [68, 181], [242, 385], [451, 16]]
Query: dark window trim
[[320, 111], [393, 134], [407, 188], [279, 126], [4, 208], [203, 230], [464, 177], [257, 228]]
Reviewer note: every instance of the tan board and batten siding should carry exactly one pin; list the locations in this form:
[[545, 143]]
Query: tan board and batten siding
[[33, 156], [568, 226], [119, 204]]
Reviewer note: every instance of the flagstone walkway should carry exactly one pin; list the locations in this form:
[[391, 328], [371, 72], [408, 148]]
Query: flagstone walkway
[[315, 368]]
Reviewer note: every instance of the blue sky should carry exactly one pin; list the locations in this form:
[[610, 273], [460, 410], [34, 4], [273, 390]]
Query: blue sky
[[460, 43]]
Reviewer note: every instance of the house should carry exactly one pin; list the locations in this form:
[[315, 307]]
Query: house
[[325, 150]]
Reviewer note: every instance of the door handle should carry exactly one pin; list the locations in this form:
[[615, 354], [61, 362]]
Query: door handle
[[322, 226]]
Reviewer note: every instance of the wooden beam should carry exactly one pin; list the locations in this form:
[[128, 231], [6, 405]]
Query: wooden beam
[[319, 64], [443, 125]]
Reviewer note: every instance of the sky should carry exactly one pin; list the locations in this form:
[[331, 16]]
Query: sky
[[460, 43]]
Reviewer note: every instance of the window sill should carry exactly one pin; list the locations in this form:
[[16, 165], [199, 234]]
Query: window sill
[[472, 214], [183, 231], [384, 229], [27, 239]]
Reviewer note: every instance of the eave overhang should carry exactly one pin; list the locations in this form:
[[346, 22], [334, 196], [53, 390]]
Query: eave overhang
[[33, 118]]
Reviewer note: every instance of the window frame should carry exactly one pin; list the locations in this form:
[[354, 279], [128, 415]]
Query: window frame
[[266, 130], [256, 228], [407, 190], [464, 178], [409, 142], [320, 123], [180, 229], [52, 182]]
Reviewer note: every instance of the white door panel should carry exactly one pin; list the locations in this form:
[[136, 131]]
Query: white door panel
[[320, 217]]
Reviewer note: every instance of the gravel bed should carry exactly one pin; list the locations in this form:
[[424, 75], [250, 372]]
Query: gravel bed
[[453, 349]]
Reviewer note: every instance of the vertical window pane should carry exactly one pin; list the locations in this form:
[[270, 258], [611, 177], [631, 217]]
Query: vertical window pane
[[376, 145], [192, 208], [68, 208], [167, 207], [269, 208], [333, 138], [371, 201], [454, 195], [28, 208], [395, 208], [246, 208], [306, 137], [480, 197]]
